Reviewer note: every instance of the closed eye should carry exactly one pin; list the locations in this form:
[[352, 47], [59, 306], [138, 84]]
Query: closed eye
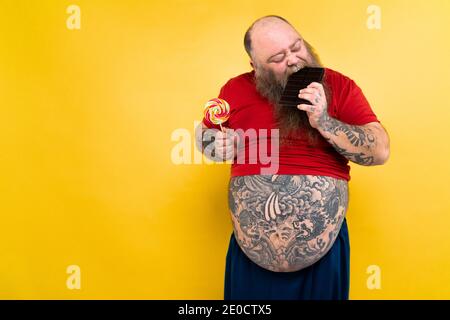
[[294, 48], [278, 58]]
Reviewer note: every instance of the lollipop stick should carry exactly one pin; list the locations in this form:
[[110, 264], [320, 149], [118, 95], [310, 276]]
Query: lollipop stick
[[221, 129]]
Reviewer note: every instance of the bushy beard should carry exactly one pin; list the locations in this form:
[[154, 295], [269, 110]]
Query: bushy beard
[[292, 122], [269, 86]]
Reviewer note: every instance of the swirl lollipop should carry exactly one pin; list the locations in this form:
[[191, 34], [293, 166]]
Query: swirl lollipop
[[217, 111]]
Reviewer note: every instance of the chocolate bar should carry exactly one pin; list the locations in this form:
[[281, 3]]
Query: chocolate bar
[[297, 81]]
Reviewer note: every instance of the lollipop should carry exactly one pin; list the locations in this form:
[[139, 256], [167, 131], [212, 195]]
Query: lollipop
[[217, 111]]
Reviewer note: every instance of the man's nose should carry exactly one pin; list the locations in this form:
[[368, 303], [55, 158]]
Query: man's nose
[[292, 60]]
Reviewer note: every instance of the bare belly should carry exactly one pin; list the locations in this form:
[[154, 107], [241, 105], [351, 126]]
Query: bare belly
[[286, 223]]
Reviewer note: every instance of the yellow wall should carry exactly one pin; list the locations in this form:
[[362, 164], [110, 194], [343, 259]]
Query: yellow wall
[[86, 118]]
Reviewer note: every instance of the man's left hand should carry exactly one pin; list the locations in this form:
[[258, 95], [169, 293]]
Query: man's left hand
[[315, 94]]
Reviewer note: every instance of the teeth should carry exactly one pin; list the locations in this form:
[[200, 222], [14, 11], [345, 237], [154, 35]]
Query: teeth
[[297, 68]]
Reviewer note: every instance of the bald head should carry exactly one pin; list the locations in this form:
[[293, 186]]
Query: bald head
[[259, 26]]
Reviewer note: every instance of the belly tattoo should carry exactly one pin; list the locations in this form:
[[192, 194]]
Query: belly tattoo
[[286, 223]]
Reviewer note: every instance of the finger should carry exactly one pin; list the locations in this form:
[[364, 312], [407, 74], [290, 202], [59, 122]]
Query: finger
[[313, 95], [228, 143], [229, 134], [221, 148], [315, 85], [219, 135], [232, 139], [219, 144], [229, 157], [221, 152], [317, 99], [222, 137], [229, 152], [225, 153], [308, 90], [307, 96], [224, 145], [306, 107]]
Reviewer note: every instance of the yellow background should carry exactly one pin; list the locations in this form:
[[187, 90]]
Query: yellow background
[[86, 118]]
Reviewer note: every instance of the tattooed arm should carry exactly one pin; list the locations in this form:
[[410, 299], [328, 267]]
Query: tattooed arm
[[215, 144], [366, 145]]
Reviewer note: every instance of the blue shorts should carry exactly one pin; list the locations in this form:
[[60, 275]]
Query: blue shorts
[[327, 279]]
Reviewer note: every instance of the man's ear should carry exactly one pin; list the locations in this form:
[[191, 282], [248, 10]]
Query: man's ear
[[251, 63]]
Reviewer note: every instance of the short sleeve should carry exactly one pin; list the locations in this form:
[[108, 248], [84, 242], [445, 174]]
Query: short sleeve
[[222, 95], [353, 107]]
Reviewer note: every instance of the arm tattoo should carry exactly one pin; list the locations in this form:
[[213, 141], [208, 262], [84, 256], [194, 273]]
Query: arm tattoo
[[360, 138], [204, 140], [286, 223], [357, 157]]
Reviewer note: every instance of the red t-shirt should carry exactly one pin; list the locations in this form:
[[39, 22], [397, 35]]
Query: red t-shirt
[[249, 110]]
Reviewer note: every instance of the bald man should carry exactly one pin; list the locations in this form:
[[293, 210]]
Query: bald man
[[290, 238]]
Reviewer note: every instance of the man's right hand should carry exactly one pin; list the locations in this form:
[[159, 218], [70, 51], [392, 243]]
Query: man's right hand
[[226, 144]]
